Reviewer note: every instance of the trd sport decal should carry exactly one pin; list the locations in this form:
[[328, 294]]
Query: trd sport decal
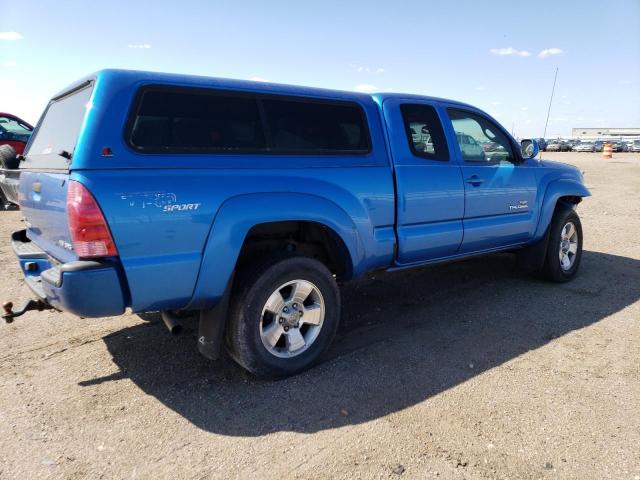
[[165, 201], [521, 205]]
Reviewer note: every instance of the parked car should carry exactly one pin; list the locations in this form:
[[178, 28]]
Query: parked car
[[557, 146], [469, 147], [597, 145], [584, 147], [422, 140], [571, 143], [617, 146], [14, 131], [14, 135], [635, 147], [250, 203], [542, 144]]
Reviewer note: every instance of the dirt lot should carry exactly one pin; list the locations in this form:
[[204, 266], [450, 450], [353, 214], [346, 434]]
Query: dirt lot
[[469, 370]]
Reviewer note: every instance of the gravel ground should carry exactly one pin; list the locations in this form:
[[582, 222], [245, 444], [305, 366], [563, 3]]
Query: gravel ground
[[469, 370]]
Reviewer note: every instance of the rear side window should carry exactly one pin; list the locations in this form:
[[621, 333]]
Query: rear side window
[[55, 139], [307, 127], [183, 121], [180, 121], [424, 132]]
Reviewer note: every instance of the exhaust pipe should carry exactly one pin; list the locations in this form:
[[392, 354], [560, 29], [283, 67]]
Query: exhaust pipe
[[172, 322]]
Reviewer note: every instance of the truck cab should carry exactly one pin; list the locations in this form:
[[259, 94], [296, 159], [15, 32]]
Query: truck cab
[[250, 203]]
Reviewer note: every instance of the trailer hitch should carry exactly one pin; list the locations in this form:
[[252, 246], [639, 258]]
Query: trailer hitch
[[10, 314]]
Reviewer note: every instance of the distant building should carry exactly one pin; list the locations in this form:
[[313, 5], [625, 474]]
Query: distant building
[[605, 132]]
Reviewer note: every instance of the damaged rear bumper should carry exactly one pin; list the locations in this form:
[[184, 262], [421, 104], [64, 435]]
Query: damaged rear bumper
[[86, 288]]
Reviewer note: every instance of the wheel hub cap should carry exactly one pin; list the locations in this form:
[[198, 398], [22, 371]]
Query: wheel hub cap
[[568, 246], [292, 318]]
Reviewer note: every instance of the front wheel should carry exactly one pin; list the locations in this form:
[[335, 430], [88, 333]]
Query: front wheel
[[564, 250], [283, 315]]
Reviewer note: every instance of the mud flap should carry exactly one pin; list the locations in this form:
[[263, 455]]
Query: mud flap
[[212, 324], [531, 259]]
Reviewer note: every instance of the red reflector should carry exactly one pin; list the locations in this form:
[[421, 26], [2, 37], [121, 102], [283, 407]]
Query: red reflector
[[89, 230]]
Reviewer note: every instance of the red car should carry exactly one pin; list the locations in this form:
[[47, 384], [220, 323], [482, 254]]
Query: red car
[[14, 131]]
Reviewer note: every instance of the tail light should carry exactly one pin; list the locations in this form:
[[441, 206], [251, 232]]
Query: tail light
[[89, 230]]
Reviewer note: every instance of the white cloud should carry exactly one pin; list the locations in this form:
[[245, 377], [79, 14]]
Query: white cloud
[[548, 52], [9, 64], [524, 109], [480, 88], [366, 88], [496, 103], [365, 69], [258, 79], [510, 51], [10, 36], [144, 46]]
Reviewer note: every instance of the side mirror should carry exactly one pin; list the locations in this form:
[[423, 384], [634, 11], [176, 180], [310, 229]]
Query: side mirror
[[529, 148]]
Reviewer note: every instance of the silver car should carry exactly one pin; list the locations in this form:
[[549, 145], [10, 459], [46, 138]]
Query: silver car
[[584, 147]]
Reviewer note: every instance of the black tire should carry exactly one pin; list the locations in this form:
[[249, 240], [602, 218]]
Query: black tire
[[8, 157], [254, 285], [552, 269]]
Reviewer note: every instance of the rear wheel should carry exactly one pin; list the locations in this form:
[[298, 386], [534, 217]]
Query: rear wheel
[[283, 315], [564, 250]]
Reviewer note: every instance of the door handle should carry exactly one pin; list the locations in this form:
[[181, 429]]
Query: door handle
[[474, 180]]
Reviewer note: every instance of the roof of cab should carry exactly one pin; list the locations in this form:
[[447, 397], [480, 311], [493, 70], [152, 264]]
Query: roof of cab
[[246, 85]]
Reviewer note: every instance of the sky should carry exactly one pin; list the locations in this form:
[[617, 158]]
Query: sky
[[498, 55]]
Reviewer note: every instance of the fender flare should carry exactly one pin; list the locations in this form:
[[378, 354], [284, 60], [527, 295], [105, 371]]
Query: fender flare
[[558, 188], [237, 215]]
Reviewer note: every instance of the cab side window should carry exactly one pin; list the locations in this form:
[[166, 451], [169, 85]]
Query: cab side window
[[479, 139], [424, 132]]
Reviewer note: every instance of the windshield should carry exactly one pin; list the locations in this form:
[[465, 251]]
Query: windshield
[[55, 139], [12, 129]]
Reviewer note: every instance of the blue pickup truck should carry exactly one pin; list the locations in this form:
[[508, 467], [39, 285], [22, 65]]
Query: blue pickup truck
[[250, 203]]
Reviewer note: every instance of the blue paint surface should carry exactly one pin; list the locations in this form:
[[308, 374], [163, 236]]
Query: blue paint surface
[[390, 208]]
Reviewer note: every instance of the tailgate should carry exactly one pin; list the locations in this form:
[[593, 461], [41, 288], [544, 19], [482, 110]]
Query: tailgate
[[43, 200], [44, 172]]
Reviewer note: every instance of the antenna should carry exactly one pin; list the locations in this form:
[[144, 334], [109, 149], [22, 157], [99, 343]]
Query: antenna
[[550, 100]]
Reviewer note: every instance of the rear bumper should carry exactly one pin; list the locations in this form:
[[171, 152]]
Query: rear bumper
[[85, 288]]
